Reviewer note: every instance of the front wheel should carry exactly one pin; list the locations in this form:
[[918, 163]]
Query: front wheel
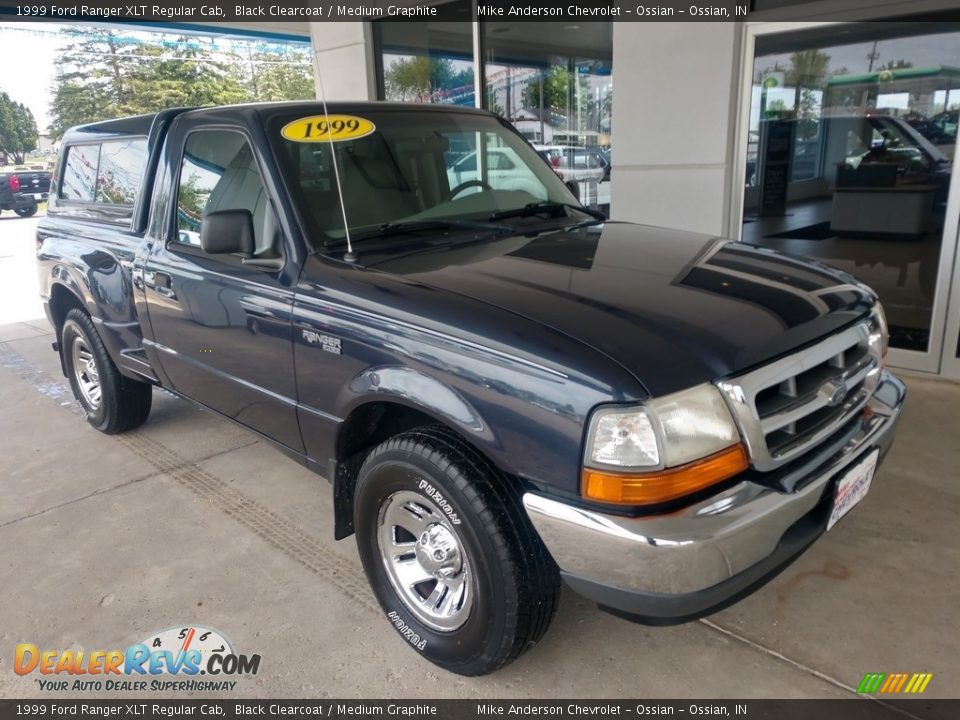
[[26, 212], [111, 402], [450, 553]]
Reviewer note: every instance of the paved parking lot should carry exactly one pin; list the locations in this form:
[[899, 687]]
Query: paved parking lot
[[192, 520]]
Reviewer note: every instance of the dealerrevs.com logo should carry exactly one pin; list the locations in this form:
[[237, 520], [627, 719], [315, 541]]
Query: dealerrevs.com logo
[[182, 652]]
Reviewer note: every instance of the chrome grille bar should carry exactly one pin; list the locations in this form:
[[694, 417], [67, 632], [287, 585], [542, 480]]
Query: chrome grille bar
[[791, 405]]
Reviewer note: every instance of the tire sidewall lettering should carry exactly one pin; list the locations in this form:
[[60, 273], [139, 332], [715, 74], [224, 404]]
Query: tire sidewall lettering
[[483, 624], [407, 632]]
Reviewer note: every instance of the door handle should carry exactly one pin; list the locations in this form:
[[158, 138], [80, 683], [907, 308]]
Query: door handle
[[162, 284]]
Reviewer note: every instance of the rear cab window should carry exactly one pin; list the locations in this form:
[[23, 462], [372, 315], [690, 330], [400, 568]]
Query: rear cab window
[[105, 175]]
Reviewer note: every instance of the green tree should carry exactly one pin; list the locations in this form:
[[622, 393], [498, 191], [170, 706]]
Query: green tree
[[18, 129], [283, 75], [90, 83], [806, 74], [419, 77], [560, 95], [103, 75], [895, 65], [181, 76]]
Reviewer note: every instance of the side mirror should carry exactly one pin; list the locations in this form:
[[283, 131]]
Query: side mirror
[[573, 187], [227, 231]]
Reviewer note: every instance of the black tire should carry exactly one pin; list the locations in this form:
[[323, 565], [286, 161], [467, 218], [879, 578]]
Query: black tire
[[124, 403], [26, 212], [516, 584]]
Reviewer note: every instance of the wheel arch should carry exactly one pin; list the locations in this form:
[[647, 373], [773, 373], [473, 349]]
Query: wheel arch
[[371, 422], [63, 299]]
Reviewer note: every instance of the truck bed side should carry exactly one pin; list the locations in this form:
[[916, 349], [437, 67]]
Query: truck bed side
[[86, 249]]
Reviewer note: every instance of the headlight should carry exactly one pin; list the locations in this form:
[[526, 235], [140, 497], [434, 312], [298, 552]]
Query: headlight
[[668, 448], [693, 424], [623, 439]]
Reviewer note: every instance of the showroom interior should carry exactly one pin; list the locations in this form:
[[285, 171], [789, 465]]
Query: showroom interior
[[813, 129]]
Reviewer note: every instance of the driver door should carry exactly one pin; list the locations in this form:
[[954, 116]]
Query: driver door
[[222, 326]]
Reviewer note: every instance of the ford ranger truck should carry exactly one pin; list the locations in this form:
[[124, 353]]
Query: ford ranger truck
[[503, 387]]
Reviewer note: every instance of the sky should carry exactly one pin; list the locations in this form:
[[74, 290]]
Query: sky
[[28, 52]]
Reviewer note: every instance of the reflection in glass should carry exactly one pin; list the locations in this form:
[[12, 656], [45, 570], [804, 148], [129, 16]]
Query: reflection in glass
[[427, 62], [553, 82], [80, 173], [849, 156], [121, 171]]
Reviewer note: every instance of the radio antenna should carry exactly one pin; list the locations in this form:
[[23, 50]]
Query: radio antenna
[[349, 256]]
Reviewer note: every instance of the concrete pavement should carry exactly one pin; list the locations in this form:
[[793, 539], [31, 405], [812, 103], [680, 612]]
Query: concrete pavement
[[193, 521]]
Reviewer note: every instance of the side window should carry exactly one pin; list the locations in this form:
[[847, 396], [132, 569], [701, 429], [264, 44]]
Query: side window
[[219, 172], [80, 173], [121, 171]]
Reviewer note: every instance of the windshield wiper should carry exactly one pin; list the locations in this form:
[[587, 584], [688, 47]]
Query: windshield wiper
[[420, 226], [544, 207]]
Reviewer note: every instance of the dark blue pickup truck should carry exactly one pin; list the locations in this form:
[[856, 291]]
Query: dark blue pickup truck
[[503, 387]]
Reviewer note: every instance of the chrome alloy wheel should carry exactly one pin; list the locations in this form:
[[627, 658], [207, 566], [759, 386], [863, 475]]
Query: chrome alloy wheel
[[425, 560], [85, 372]]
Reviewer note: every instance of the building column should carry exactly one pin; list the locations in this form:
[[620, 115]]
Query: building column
[[674, 110], [343, 59]]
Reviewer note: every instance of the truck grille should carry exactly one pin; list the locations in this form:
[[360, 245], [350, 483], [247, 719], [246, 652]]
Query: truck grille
[[792, 405]]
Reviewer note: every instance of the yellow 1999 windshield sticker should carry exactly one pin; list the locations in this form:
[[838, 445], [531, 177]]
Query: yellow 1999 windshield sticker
[[324, 128]]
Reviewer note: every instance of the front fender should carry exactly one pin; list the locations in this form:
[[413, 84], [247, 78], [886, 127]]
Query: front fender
[[404, 385]]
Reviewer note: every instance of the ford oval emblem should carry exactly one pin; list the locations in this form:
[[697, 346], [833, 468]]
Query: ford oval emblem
[[834, 390]]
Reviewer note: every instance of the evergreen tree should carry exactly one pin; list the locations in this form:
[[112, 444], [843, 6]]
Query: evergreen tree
[[18, 129], [103, 75]]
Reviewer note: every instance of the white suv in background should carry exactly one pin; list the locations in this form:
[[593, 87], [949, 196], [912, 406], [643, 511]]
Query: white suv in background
[[573, 164], [505, 171]]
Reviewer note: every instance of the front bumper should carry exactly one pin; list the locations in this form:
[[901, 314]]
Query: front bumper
[[677, 567]]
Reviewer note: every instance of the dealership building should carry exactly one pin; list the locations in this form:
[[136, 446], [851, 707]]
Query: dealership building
[[824, 129]]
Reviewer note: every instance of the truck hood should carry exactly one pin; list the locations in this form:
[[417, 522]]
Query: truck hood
[[673, 308]]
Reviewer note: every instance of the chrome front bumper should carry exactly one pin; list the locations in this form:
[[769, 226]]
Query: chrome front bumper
[[670, 568]]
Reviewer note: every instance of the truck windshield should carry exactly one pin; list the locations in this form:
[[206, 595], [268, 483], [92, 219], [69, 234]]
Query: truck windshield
[[400, 167]]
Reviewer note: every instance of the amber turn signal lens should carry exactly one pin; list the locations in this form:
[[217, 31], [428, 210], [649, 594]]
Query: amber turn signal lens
[[664, 485]]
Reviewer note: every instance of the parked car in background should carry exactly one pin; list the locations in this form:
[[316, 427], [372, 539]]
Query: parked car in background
[[504, 169], [605, 157], [574, 164], [23, 190], [940, 129]]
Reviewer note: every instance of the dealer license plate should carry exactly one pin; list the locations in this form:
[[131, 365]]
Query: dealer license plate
[[852, 487], [39, 196]]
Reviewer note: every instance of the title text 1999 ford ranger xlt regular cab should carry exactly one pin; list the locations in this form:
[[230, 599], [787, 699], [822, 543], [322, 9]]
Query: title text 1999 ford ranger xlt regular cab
[[503, 388]]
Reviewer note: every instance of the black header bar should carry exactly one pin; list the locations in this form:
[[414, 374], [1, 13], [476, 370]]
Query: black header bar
[[354, 10], [866, 708], [568, 11]]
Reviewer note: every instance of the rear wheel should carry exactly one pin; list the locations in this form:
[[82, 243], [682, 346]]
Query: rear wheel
[[26, 212], [450, 553], [111, 402]]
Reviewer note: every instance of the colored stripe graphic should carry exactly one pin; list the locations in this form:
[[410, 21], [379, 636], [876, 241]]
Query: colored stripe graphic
[[870, 683], [913, 683]]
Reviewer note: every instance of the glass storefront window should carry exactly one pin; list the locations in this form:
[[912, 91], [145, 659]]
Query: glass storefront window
[[849, 156], [426, 62], [554, 83]]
